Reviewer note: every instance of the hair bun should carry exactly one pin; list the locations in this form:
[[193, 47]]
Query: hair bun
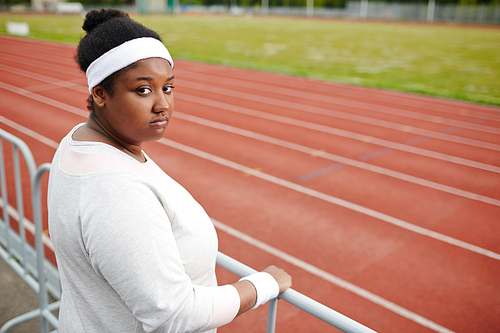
[[96, 17]]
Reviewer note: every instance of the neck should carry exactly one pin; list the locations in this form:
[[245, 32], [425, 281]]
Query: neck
[[95, 124]]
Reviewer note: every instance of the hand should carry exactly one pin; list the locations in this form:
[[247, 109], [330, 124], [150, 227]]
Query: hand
[[247, 290], [283, 278]]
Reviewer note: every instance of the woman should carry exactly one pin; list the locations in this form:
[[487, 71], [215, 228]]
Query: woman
[[135, 252]]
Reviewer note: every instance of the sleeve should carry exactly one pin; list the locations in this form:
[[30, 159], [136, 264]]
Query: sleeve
[[130, 243], [225, 305]]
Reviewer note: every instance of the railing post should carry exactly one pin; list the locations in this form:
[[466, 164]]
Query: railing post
[[5, 200], [310, 8], [37, 220], [363, 9], [265, 7], [431, 6], [271, 315], [20, 206]]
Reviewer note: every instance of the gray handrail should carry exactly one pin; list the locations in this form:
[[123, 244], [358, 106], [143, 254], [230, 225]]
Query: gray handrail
[[298, 300]]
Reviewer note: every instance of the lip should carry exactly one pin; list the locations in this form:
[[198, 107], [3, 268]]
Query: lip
[[159, 122]]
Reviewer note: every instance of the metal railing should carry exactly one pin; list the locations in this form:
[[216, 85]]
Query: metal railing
[[296, 299], [30, 263]]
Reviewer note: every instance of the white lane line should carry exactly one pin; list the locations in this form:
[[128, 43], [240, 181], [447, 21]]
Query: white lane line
[[291, 91], [316, 127], [349, 116], [300, 107], [337, 132], [328, 198], [358, 104], [331, 278], [301, 189], [43, 78], [29, 132], [401, 98], [30, 62], [40, 54], [334, 200], [336, 158], [43, 99]]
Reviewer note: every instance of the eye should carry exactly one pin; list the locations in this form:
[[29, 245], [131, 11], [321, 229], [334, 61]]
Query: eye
[[168, 88], [143, 90]]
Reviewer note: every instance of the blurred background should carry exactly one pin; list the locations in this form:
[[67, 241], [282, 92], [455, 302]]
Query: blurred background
[[457, 10], [371, 43]]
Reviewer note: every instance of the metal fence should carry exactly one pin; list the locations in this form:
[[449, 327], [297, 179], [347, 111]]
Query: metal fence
[[371, 10], [356, 10], [424, 12], [29, 260], [26, 258]]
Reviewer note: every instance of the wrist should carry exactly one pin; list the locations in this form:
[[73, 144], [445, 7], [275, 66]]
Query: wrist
[[265, 285]]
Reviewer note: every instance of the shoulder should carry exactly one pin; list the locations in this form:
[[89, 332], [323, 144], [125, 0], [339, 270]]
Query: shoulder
[[81, 158]]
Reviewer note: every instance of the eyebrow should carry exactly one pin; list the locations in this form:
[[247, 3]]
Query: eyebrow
[[149, 78]]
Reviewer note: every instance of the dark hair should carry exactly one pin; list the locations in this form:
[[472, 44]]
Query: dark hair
[[107, 29]]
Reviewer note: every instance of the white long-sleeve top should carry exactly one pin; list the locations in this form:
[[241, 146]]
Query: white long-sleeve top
[[135, 251]]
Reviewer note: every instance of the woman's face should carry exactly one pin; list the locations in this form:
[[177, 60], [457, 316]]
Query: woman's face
[[142, 102]]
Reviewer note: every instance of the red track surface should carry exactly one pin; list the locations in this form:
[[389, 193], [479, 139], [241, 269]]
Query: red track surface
[[389, 203]]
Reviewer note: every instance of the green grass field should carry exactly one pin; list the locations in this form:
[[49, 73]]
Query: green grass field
[[450, 61]]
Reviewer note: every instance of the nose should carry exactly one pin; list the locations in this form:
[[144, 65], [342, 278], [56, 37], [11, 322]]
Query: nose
[[163, 103]]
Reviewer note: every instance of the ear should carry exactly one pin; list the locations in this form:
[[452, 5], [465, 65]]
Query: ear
[[99, 95]]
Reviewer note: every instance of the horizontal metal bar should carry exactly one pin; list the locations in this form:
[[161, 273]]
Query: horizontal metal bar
[[23, 147], [299, 300], [47, 314], [31, 315]]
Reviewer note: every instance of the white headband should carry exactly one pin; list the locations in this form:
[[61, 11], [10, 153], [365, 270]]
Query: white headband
[[124, 55]]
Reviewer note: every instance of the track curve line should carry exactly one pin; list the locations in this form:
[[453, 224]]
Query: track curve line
[[50, 80], [43, 99], [302, 189], [29, 132], [312, 109], [331, 278], [313, 96], [300, 123], [331, 199], [338, 132], [337, 158], [350, 116], [329, 156], [38, 63]]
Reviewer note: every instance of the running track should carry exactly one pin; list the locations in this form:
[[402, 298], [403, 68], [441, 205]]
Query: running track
[[384, 206]]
